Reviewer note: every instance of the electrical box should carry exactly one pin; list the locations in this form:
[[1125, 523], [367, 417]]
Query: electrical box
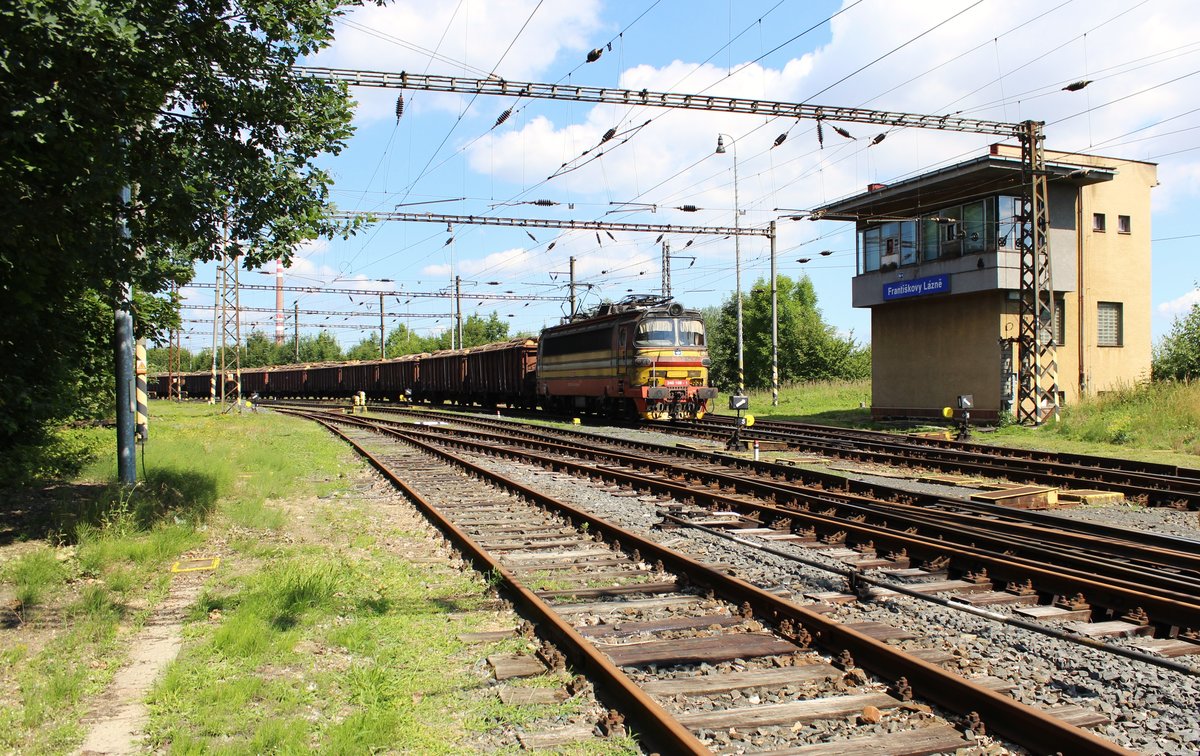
[[739, 402]]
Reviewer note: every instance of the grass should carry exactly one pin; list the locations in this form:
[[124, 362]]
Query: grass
[[34, 575], [1153, 422], [846, 403], [85, 558]]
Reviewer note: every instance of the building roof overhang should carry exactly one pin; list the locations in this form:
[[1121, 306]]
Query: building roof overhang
[[930, 192]]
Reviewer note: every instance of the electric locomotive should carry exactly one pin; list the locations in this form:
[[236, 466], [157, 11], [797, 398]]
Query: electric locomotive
[[644, 356]]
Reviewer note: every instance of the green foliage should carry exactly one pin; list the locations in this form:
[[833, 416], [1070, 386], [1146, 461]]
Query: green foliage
[[809, 349], [401, 340], [1163, 415], [197, 111], [1177, 356]]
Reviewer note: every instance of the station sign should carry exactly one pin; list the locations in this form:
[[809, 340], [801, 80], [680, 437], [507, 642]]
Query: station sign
[[918, 287]]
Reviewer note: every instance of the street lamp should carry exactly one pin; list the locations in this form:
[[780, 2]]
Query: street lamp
[[737, 263]]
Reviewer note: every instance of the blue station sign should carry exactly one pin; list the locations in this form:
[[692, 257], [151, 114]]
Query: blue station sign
[[918, 287]]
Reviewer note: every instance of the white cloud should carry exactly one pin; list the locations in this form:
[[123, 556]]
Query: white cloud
[[794, 175], [1179, 305], [477, 34]]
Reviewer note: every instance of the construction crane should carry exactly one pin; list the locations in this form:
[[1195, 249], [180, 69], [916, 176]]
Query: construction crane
[[1037, 390]]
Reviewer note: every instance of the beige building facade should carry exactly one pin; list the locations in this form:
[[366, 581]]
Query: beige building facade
[[938, 265]]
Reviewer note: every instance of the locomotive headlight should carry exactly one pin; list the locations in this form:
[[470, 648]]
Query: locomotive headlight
[[643, 362], [705, 362]]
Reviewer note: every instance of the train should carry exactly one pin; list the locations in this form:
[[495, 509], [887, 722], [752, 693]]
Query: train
[[643, 356]]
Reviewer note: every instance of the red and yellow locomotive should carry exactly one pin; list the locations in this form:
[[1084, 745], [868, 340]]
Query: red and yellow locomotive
[[643, 356]]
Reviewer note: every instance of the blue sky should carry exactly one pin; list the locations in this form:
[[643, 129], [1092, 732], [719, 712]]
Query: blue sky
[[989, 59]]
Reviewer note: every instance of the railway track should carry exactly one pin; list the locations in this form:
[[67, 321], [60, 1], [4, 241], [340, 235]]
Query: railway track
[[671, 638], [1077, 571], [1163, 485]]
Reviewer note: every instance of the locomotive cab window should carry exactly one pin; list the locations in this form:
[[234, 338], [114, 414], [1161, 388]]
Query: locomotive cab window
[[691, 333], [656, 332]]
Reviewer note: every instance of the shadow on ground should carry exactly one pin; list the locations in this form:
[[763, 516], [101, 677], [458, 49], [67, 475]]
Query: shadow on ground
[[53, 512]]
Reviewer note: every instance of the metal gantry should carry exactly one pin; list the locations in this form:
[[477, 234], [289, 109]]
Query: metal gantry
[[1037, 393], [389, 293]]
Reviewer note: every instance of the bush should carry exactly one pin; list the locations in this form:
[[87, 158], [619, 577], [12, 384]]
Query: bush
[[1177, 356]]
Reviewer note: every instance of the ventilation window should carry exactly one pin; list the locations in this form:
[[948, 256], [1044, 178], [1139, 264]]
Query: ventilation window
[[1098, 223], [1123, 224], [1109, 329]]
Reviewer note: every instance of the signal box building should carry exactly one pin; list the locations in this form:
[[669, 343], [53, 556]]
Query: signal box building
[[938, 266]]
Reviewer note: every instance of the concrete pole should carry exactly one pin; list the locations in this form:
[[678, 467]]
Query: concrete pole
[[296, 326], [123, 358], [382, 352], [572, 289], [774, 323], [458, 309], [212, 378], [666, 269], [279, 331]]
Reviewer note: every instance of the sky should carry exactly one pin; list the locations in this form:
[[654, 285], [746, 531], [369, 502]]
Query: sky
[[1002, 60]]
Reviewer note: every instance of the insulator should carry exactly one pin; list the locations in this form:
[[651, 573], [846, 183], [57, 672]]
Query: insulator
[[531, 236], [779, 140], [685, 246], [598, 239], [804, 260], [820, 135], [879, 138], [608, 135], [843, 132], [594, 55], [610, 236], [660, 236], [399, 106], [550, 246], [1077, 85], [544, 203], [503, 117], [688, 208], [826, 252], [448, 242]]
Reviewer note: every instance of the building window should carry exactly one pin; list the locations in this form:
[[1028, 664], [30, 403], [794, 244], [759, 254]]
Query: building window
[[1123, 225], [1109, 327], [1060, 321], [1098, 223], [1008, 222]]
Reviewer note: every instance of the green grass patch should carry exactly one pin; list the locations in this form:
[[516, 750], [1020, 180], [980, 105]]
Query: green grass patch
[[201, 472], [34, 575], [1156, 422], [846, 403]]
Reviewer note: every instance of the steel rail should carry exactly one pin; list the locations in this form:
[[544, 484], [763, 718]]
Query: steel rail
[[853, 575], [1175, 609], [1173, 558], [1160, 487], [1034, 729], [829, 481], [657, 724]]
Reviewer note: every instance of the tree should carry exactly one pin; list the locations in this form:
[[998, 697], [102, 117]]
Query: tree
[[367, 349], [1177, 356], [195, 109], [476, 332], [320, 348], [809, 349]]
